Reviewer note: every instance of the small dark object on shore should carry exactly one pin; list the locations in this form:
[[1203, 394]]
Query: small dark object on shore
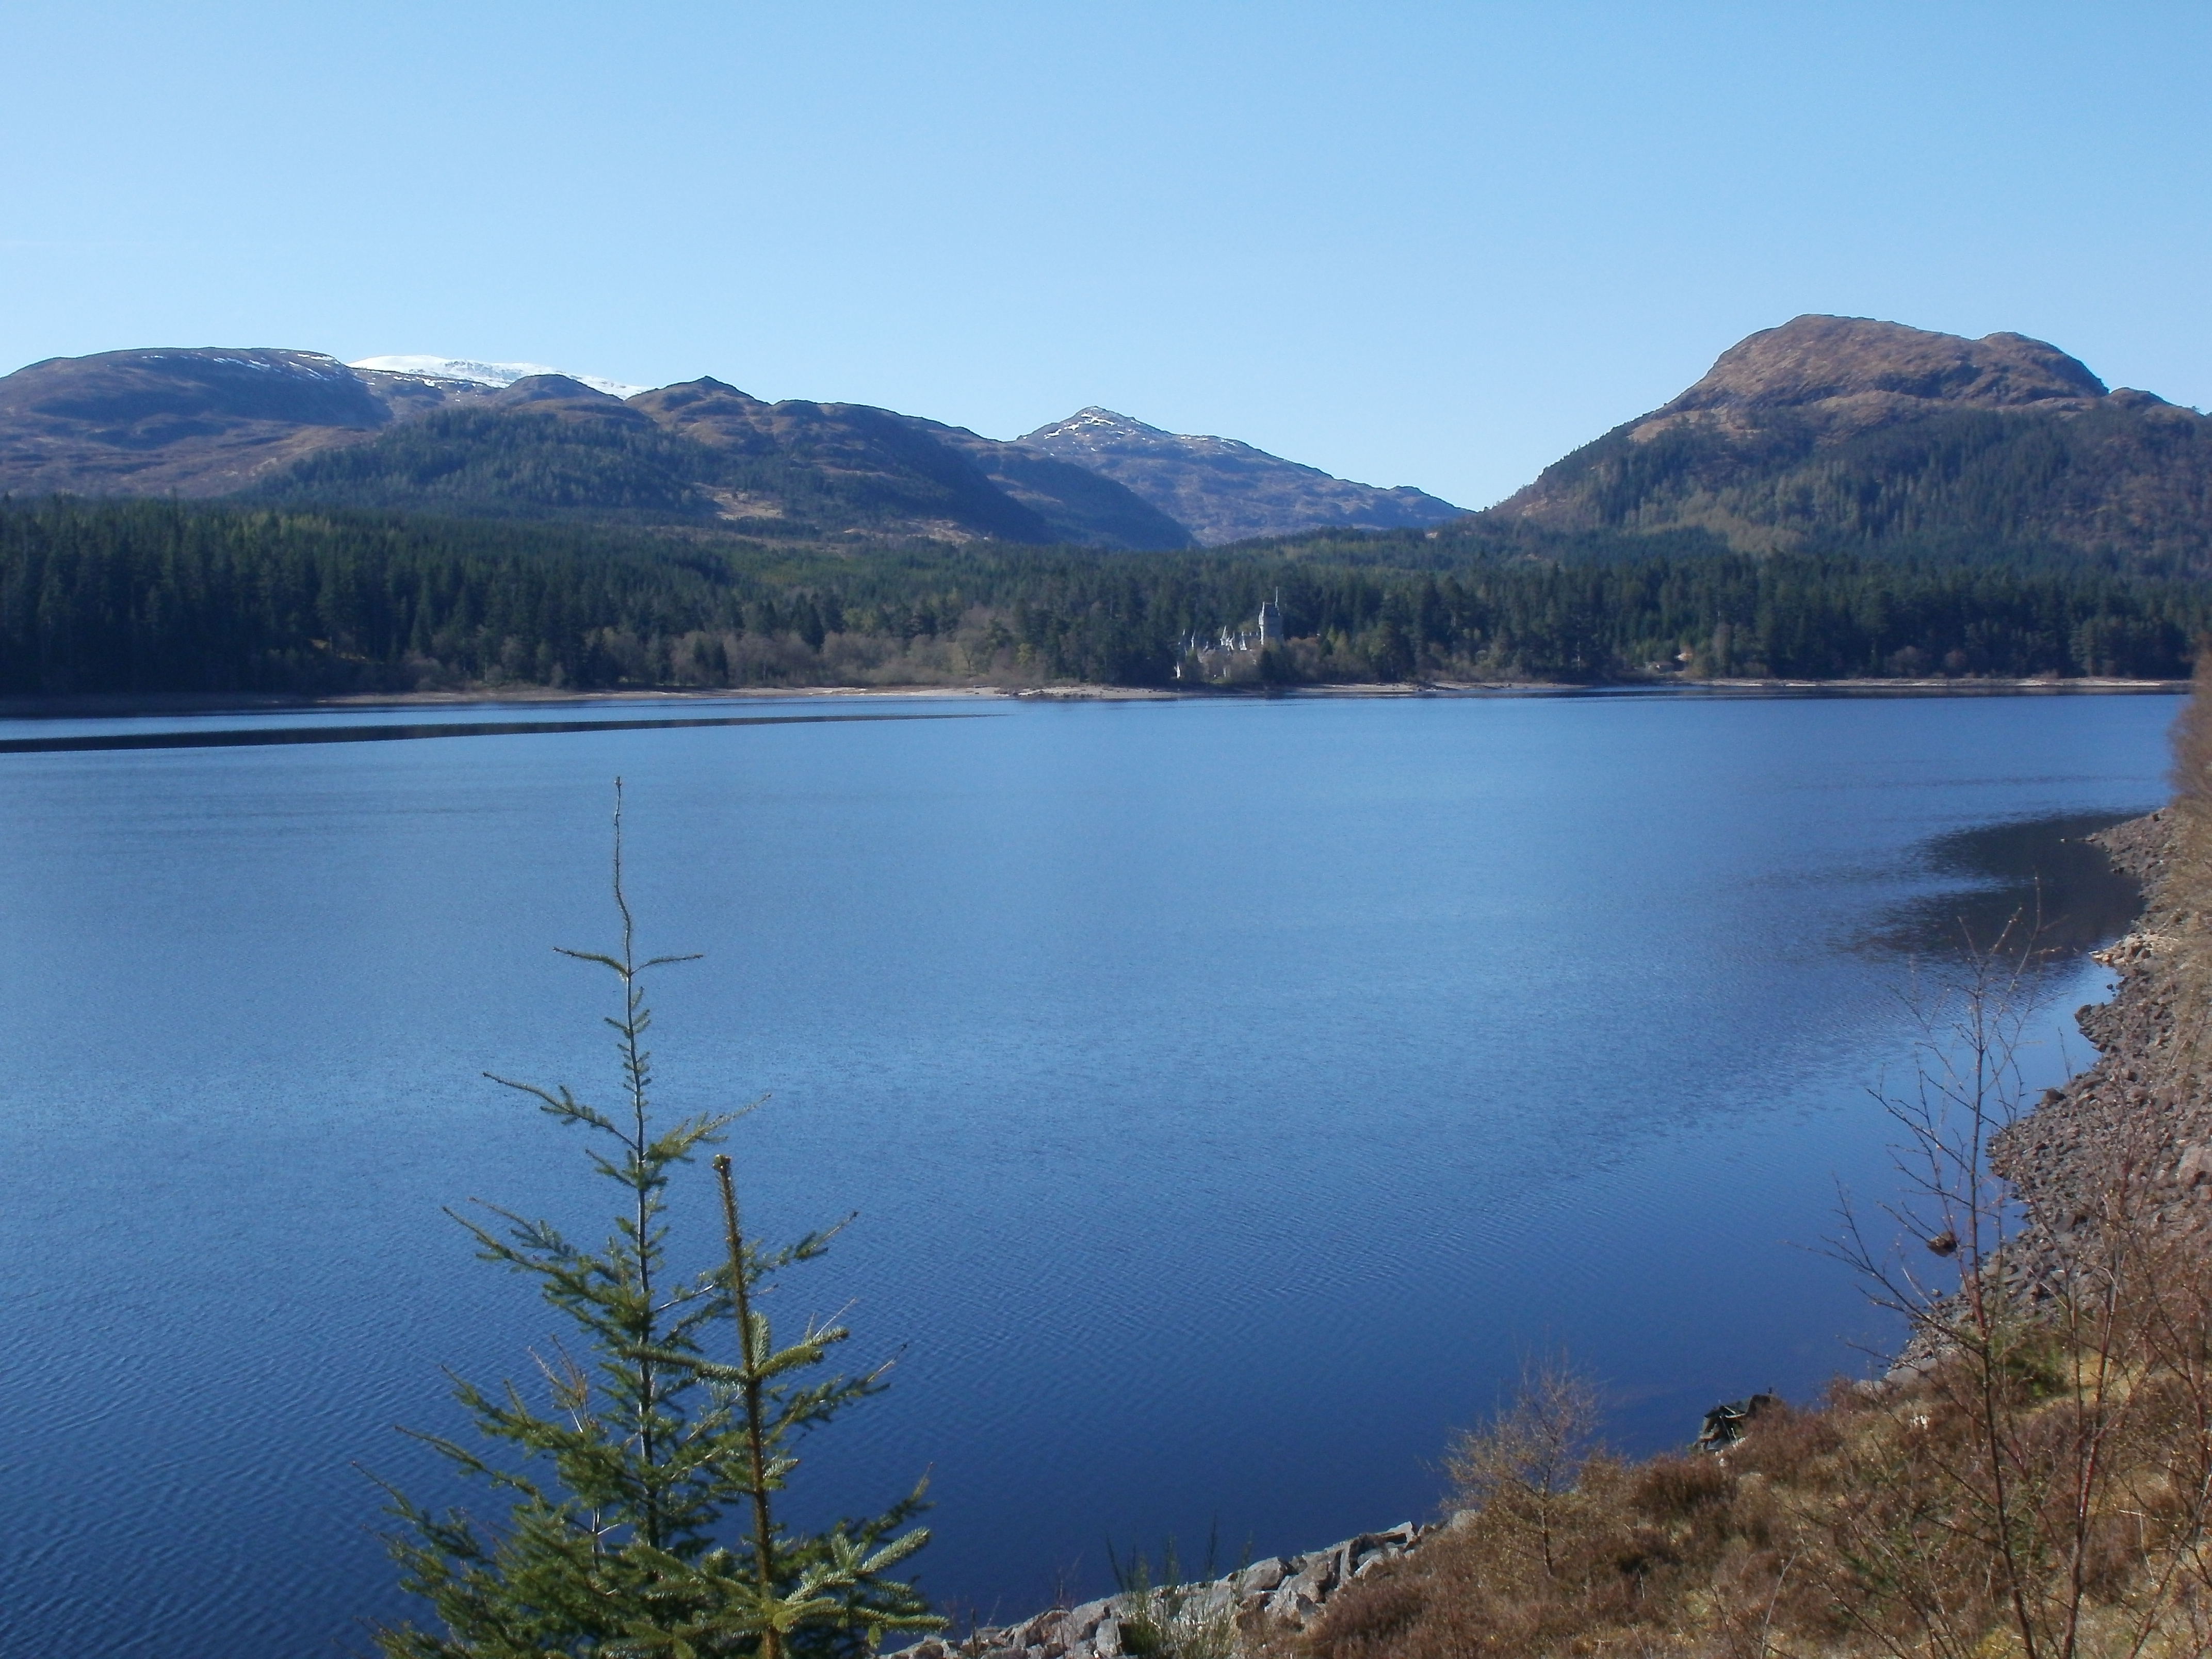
[[1724, 1424], [1945, 1243]]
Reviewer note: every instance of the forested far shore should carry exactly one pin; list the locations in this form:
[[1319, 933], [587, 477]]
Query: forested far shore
[[99, 597]]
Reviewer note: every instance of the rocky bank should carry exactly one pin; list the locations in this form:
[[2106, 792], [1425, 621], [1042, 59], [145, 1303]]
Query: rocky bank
[[1288, 1592], [2136, 1121]]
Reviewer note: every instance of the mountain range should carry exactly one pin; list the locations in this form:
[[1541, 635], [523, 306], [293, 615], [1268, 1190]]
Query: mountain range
[[523, 441], [1827, 434]]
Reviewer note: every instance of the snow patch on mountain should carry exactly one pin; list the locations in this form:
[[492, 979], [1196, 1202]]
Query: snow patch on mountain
[[492, 374]]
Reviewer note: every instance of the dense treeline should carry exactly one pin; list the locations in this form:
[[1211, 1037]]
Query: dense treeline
[[144, 597]]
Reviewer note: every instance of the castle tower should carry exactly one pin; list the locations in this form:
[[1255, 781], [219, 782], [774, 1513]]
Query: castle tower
[[1271, 621]]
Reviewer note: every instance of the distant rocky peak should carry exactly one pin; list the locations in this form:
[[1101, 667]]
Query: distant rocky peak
[[1222, 490], [1818, 359], [1093, 425], [1101, 432]]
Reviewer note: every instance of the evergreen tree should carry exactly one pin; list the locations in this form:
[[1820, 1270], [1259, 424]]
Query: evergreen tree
[[638, 1495]]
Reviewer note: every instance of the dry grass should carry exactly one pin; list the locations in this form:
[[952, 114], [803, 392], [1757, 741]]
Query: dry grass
[[1861, 1527]]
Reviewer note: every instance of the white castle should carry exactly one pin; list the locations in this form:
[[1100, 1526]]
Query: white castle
[[1213, 659]]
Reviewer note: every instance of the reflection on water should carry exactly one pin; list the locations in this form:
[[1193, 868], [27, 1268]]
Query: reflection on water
[[2035, 885]]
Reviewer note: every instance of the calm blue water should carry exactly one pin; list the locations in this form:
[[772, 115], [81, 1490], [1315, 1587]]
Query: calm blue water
[[1229, 1093]]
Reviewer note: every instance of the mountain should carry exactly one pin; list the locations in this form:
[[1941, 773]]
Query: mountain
[[1085, 506], [455, 437], [1834, 434], [1226, 491], [190, 423]]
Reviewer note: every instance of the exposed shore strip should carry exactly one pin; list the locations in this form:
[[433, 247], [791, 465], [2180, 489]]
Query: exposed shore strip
[[123, 705], [259, 737]]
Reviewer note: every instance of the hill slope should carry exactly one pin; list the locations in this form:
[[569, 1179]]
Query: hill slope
[[1227, 491], [1835, 432]]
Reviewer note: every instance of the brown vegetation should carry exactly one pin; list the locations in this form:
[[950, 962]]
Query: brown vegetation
[[2042, 1490], [2047, 1503]]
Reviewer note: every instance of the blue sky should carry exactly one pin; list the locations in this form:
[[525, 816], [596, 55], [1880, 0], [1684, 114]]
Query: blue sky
[[1437, 244]]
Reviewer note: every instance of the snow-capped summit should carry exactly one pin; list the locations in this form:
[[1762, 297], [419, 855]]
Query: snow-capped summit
[[1097, 425], [495, 375]]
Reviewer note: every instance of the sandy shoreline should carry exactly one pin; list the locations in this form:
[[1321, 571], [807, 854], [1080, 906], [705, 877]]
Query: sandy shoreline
[[122, 705]]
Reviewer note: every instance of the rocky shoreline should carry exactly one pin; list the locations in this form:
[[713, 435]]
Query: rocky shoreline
[[1284, 1592], [2130, 1122]]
